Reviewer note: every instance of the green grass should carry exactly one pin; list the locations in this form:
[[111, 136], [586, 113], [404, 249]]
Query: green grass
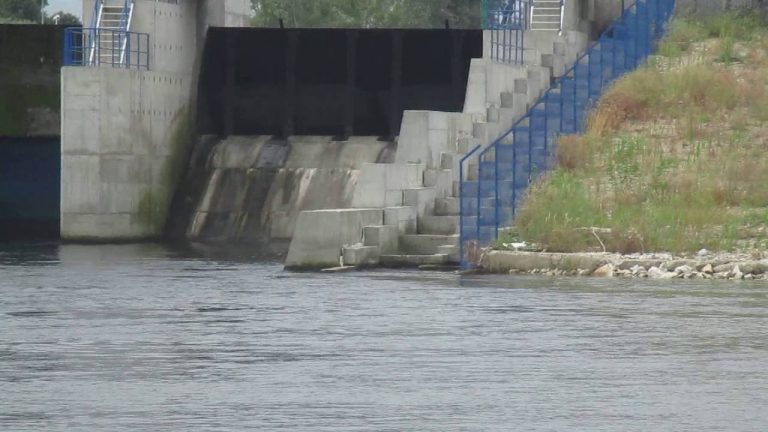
[[675, 158]]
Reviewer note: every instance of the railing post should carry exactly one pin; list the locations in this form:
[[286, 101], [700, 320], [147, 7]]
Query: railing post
[[127, 51]]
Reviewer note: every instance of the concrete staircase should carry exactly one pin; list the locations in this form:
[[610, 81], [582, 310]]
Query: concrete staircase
[[416, 222]]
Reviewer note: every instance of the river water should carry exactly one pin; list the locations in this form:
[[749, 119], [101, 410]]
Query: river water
[[134, 338]]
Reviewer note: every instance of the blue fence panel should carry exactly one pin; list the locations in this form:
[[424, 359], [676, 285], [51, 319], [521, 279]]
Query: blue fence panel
[[495, 178], [105, 47], [507, 21]]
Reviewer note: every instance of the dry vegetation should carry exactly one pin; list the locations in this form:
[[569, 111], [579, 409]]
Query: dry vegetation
[[675, 157]]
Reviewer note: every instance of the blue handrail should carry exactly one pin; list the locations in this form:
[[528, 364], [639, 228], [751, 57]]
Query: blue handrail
[[635, 33], [105, 47]]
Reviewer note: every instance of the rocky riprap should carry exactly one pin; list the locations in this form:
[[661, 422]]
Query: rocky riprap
[[703, 265]]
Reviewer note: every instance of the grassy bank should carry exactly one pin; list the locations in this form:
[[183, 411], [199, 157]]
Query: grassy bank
[[675, 157]]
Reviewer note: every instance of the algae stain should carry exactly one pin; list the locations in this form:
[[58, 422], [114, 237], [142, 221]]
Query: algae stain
[[154, 205]]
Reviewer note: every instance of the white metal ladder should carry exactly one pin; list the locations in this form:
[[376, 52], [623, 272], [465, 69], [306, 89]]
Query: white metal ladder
[[113, 19], [547, 15]]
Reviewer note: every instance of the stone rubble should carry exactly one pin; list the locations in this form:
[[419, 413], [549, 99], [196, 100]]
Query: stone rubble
[[702, 265]]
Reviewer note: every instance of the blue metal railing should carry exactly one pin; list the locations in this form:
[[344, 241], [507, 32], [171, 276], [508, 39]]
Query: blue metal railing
[[504, 169], [507, 21], [104, 47]]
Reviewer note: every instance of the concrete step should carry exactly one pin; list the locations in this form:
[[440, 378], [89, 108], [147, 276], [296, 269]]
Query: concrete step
[[442, 225], [506, 117], [413, 260], [384, 237], [448, 206], [422, 199], [449, 161], [360, 255], [402, 217], [425, 244], [441, 180], [466, 144], [486, 132], [452, 251]]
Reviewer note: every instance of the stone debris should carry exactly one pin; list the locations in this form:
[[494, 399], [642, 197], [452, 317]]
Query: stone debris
[[702, 265]]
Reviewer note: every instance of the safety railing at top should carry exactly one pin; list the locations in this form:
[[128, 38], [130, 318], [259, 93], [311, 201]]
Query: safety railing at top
[[104, 47], [507, 21], [496, 177]]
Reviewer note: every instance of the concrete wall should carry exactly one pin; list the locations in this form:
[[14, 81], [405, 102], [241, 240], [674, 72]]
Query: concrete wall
[[121, 134], [126, 133]]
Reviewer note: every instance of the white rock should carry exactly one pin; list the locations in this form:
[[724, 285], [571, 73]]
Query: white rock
[[736, 273], [707, 269], [702, 253], [684, 270], [655, 273]]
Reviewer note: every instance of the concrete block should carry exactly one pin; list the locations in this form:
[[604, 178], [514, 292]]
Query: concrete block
[[441, 180], [78, 133], [404, 218], [380, 185], [452, 251], [423, 199], [385, 237], [99, 227], [360, 256], [412, 144], [438, 120], [448, 206], [122, 197], [320, 235], [412, 260], [79, 81], [441, 225], [128, 168], [393, 198], [474, 99], [80, 184], [425, 244]]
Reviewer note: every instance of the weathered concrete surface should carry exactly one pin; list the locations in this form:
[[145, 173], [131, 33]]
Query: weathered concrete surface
[[382, 185], [504, 261], [321, 234], [123, 136], [126, 134], [425, 135], [256, 187]]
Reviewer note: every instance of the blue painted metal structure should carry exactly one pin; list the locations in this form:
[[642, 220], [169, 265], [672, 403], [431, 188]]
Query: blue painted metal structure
[[507, 166], [507, 20], [105, 47]]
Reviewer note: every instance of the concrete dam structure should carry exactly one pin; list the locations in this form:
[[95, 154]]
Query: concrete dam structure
[[303, 112], [326, 145], [342, 146]]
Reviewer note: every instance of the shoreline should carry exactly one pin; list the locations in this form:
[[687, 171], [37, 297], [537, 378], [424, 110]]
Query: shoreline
[[703, 265]]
